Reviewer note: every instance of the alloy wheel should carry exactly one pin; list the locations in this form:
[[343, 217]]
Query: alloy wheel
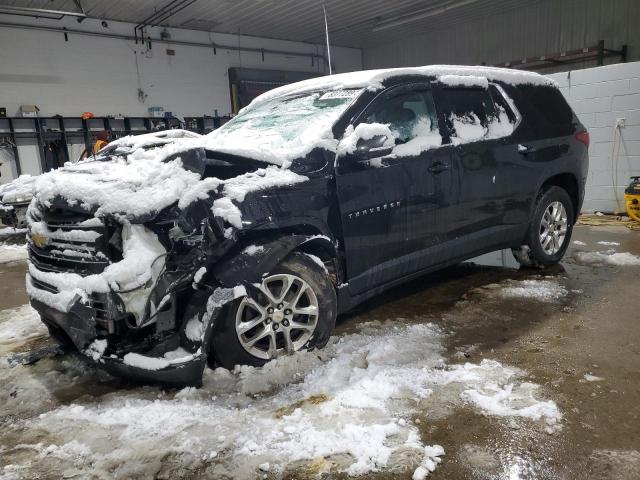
[[553, 228], [279, 317]]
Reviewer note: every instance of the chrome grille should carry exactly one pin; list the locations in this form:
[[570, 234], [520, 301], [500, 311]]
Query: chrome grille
[[71, 241]]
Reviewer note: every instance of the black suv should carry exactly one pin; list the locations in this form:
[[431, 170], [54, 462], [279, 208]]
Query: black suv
[[171, 249]]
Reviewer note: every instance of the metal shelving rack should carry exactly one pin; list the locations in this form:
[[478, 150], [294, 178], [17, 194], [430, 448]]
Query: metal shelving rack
[[73, 130]]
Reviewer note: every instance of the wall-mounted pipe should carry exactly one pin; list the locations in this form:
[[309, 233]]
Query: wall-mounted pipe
[[236, 48], [160, 16]]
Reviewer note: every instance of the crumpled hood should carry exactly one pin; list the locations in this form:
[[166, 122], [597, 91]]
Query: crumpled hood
[[137, 177], [134, 184]]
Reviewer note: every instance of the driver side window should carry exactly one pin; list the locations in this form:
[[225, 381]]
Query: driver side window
[[408, 115]]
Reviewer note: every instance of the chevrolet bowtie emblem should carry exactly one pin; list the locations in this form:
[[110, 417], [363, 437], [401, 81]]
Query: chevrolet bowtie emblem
[[39, 240]]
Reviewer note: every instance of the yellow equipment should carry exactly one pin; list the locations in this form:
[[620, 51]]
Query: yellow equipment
[[632, 199]]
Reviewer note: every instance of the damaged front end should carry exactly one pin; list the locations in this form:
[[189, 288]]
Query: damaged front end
[[131, 293], [132, 297], [139, 293]]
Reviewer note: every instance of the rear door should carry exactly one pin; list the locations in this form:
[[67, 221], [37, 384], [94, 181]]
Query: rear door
[[391, 206], [466, 113]]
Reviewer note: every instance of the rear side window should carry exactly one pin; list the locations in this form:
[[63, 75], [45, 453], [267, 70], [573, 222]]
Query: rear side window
[[551, 105], [545, 111], [472, 115]]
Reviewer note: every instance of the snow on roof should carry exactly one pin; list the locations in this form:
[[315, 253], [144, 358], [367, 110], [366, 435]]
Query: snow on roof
[[374, 79]]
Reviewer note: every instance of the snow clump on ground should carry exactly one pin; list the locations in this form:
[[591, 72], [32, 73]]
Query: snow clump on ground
[[13, 253], [348, 408]]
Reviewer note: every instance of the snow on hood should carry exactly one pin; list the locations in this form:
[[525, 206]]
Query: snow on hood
[[18, 191], [373, 79], [137, 183], [139, 175]]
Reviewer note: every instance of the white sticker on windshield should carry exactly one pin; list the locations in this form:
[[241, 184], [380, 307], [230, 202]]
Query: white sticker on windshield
[[339, 94]]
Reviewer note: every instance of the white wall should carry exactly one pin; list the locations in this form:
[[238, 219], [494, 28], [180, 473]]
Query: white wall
[[102, 75], [99, 74], [599, 96]]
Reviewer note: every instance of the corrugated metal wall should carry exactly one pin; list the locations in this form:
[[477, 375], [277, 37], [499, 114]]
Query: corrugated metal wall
[[536, 28]]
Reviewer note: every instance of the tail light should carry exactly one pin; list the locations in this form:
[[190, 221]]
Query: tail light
[[583, 137]]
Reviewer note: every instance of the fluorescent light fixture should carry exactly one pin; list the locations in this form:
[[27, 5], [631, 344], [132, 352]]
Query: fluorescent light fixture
[[419, 15], [38, 12]]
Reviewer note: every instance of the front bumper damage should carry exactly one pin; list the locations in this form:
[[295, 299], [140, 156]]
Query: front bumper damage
[[126, 313], [165, 351], [78, 325], [76, 329]]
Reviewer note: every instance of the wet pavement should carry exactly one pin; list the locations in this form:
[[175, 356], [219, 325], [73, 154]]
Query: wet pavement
[[574, 333]]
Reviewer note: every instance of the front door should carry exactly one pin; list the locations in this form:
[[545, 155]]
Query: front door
[[393, 205]]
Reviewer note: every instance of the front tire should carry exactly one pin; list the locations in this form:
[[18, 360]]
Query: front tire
[[293, 309], [549, 231]]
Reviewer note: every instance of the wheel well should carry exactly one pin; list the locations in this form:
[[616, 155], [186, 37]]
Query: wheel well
[[324, 252], [569, 183], [319, 247]]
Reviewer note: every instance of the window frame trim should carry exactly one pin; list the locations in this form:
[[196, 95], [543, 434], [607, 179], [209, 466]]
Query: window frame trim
[[511, 105]]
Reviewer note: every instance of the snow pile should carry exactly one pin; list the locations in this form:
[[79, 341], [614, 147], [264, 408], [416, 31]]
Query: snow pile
[[143, 260], [610, 257], [579, 243], [615, 244], [18, 191], [424, 136], [348, 408], [12, 253], [467, 128], [179, 355], [373, 79], [18, 325], [464, 81], [432, 454], [253, 250], [540, 290], [236, 189], [6, 232], [134, 184], [364, 131]]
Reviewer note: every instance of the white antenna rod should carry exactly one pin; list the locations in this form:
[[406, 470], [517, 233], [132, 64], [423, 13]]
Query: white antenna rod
[[326, 31]]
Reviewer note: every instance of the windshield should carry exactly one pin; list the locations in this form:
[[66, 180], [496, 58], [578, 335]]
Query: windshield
[[285, 127]]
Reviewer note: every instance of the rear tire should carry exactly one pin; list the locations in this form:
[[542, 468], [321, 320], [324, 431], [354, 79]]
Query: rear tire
[[549, 232], [281, 322]]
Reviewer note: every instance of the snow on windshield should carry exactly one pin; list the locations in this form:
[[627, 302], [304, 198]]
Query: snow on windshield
[[280, 130]]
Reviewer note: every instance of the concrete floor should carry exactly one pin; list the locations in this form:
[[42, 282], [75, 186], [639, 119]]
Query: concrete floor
[[592, 331]]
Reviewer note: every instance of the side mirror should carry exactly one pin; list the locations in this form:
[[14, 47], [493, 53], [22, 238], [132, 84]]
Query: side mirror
[[374, 147]]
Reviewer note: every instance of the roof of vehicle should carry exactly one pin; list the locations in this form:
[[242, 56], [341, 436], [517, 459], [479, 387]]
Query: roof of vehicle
[[375, 79]]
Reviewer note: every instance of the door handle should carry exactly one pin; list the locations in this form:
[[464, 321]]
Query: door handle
[[438, 167], [525, 149]]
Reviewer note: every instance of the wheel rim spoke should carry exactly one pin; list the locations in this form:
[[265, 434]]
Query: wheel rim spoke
[[310, 310], [288, 343], [246, 326], [301, 326], [272, 351]]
